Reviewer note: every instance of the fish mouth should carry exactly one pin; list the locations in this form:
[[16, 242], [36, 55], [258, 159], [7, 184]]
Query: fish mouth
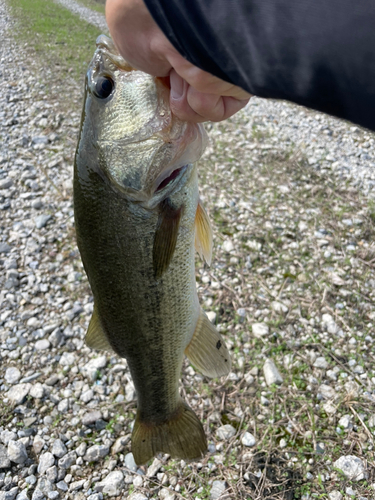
[[108, 47]]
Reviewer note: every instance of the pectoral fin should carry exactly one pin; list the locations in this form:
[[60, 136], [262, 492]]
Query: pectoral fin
[[95, 336], [203, 234], [165, 237], [207, 350]]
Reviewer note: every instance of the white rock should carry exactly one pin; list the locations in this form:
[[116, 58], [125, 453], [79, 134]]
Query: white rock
[[154, 468], [67, 359], [22, 495], [42, 220], [130, 394], [211, 315], [10, 494], [6, 436], [119, 444], [248, 440], [327, 391], [279, 307], [38, 444], [91, 368], [352, 467], [96, 452], [37, 391], [111, 484], [283, 443], [352, 388], [87, 396], [138, 481], [17, 394], [12, 375], [227, 246], [42, 345], [321, 363], [217, 489], [59, 449], [225, 432], [130, 462], [254, 245], [329, 408], [271, 373], [260, 329], [329, 324], [166, 494], [17, 452], [46, 460], [137, 496], [63, 406], [81, 449], [346, 422]]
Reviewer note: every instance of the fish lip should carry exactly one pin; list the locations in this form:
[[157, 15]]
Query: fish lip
[[107, 46]]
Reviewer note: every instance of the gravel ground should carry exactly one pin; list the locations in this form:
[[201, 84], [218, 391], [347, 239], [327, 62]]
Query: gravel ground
[[290, 288], [88, 15]]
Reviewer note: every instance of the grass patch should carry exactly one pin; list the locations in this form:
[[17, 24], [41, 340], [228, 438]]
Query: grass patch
[[98, 5], [60, 39]]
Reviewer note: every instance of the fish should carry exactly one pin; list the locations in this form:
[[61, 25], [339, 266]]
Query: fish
[[138, 221]]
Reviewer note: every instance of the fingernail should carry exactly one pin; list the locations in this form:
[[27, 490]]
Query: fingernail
[[177, 86]]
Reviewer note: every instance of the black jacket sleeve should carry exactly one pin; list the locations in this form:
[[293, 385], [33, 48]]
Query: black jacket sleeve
[[318, 53]]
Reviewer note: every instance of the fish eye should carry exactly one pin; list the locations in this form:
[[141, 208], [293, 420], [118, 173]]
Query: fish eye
[[103, 87]]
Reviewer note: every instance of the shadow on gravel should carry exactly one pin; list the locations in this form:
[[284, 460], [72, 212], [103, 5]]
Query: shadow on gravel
[[278, 481]]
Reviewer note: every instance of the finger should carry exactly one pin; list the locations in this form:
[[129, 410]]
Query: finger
[[203, 81], [191, 105], [213, 107]]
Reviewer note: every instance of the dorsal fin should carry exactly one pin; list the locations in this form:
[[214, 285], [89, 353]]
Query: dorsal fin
[[203, 234]]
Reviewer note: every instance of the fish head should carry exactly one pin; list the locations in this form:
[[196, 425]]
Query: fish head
[[144, 150]]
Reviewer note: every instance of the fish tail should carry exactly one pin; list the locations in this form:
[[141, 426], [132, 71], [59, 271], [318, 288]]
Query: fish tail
[[181, 436]]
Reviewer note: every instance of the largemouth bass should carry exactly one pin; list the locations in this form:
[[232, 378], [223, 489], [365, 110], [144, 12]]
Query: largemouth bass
[[138, 218]]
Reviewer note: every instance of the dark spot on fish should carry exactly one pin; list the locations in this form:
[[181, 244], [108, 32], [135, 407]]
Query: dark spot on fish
[[218, 345], [143, 440], [225, 360]]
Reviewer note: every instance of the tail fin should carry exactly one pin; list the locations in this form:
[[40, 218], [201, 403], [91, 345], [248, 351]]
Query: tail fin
[[182, 436]]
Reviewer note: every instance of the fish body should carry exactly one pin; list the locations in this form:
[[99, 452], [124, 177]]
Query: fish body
[[138, 220]]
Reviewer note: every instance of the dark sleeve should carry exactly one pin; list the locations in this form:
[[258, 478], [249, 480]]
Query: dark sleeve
[[318, 53]]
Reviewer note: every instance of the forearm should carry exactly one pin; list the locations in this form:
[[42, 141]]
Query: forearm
[[317, 53]]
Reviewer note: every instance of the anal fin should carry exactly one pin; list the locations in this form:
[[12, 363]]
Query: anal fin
[[181, 436], [95, 336], [203, 234], [207, 350]]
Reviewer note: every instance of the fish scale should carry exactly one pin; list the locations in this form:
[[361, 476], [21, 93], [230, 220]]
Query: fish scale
[[137, 221]]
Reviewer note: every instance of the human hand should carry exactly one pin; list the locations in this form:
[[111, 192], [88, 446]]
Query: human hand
[[196, 95]]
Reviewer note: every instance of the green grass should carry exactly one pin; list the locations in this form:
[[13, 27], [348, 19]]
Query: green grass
[[54, 35], [98, 5]]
